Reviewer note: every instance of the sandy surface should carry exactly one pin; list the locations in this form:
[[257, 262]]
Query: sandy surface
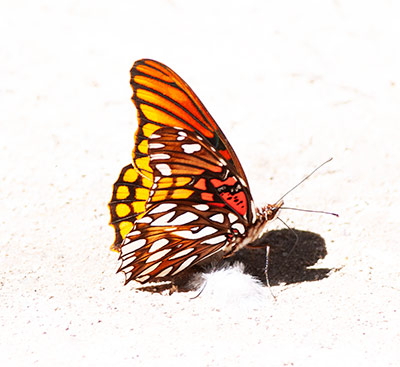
[[291, 84]]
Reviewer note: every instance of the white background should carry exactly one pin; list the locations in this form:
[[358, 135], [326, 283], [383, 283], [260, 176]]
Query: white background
[[291, 84]]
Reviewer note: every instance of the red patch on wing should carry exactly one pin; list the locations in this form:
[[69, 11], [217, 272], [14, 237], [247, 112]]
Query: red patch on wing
[[201, 184], [225, 154], [206, 196], [220, 205], [230, 181], [237, 202]]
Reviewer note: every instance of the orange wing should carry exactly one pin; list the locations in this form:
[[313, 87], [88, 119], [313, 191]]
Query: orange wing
[[162, 98]]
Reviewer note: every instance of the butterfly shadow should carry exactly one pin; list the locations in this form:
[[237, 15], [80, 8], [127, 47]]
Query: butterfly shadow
[[292, 253], [289, 259]]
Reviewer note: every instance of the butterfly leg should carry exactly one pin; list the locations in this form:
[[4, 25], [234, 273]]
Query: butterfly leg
[[266, 265], [266, 271]]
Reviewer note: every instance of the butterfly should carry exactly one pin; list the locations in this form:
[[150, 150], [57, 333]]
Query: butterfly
[[185, 196]]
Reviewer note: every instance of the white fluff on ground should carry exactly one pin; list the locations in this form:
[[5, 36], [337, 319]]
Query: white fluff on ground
[[231, 288]]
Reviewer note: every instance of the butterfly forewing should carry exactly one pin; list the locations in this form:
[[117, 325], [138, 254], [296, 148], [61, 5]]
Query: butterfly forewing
[[162, 98]]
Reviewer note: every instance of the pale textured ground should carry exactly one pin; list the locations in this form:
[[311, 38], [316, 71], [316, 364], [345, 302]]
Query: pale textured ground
[[291, 84]]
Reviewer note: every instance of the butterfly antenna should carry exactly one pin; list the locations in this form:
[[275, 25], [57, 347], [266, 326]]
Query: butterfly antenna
[[305, 178], [309, 210]]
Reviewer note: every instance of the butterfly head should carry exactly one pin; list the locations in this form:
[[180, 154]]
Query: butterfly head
[[271, 210], [264, 215]]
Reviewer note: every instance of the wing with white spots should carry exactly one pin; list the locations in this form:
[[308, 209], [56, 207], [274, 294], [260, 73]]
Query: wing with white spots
[[188, 217], [185, 167], [169, 239]]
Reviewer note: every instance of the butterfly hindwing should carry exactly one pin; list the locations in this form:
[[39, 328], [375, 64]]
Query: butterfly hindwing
[[130, 194], [168, 239], [187, 219]]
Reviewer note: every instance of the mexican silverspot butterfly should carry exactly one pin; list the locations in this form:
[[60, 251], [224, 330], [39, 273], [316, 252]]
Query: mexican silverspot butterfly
[[184, 197]]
